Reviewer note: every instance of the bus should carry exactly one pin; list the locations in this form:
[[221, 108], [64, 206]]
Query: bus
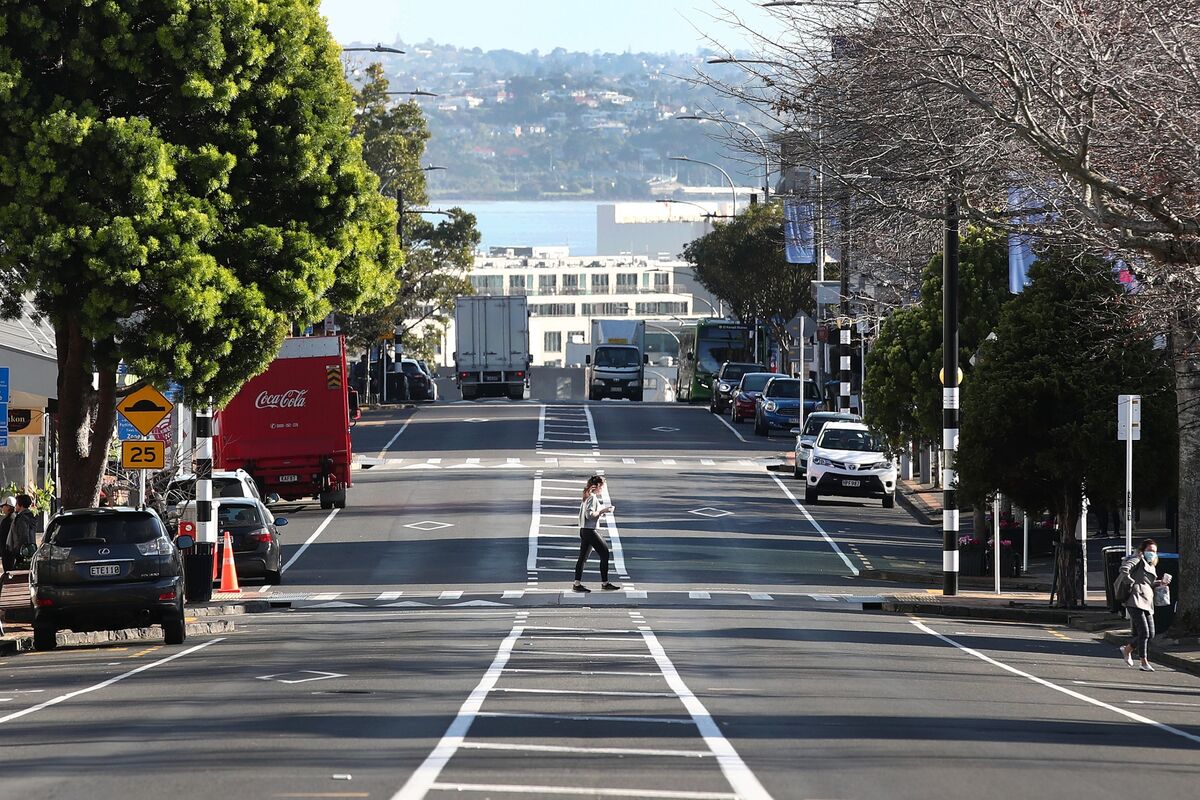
[[704, 346]]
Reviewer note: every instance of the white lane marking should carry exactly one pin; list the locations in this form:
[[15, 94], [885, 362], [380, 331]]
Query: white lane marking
[[1162, 703], [578, 630], [735, 430], [707, 462], [587, 717], [813, 522], [743, 782], [591, 424], [511, 594], [699, 595], [541, 423], [760, 596], [585, 672], [571, 482], [325, 596], [524, 789], [569, 637], [1069, 692], [450, 594], [827, 598], [392, 441], [389, 596], [618, 552], [628, 460], [62, 698], [534, 522], [634, 595], [608, 751], [592, 692], [423, 779], [320, 528]]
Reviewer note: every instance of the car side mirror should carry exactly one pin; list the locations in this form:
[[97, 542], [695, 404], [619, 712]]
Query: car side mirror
[[272, 498], [280, 522], [184, 542]]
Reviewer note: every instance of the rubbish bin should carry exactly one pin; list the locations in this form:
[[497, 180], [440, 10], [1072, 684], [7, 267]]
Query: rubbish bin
[[1168, 564], [1111, 557], [197, 573]]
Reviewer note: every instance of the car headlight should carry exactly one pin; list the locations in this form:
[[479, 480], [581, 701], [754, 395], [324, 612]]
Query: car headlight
[[597, 382], [723, 387], [771, 405], [822, 462], [880, 465]]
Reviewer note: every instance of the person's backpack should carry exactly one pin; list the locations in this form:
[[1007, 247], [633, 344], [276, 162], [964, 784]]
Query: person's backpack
[[1123, 585]]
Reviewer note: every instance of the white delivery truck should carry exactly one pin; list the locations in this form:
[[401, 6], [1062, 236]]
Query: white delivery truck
[[491, 353], [616, 365]]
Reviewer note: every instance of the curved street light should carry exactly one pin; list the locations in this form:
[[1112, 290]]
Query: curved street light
[[706, 215], [754, 133], [732, 186], [416, 93]]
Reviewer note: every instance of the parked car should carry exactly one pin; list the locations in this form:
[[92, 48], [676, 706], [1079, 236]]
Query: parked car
[[425, 368], [254, 533], [850, 460], [102, 569], [779, 404], [181, 492], [421, 387], [726, 381], [745, 396], [812, 427]]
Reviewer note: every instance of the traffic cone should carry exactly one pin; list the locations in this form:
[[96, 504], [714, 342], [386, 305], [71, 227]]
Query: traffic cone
[[229, 581]]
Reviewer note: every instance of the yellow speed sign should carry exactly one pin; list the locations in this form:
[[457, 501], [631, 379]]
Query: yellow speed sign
[[143, 455]]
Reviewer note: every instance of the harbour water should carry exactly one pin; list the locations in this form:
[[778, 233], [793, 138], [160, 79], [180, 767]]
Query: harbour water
[[544, 223]]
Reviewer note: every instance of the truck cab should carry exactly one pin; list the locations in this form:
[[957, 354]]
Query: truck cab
[[616, 364]]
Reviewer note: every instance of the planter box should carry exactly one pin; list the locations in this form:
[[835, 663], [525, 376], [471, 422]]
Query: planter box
[[971, 560], [1010, 562]]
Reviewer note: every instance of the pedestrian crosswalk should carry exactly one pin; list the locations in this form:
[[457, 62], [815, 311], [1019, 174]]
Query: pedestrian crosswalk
[[544, 460], [544, 595]]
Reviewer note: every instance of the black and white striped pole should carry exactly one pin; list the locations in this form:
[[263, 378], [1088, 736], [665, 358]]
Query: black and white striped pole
[[844, 333], [206, 523], [950, 400]]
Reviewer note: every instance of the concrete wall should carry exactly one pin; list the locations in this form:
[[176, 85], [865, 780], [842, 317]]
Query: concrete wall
[[552, 384]]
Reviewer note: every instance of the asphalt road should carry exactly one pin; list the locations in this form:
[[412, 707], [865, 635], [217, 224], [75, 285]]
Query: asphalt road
[[431, 651]]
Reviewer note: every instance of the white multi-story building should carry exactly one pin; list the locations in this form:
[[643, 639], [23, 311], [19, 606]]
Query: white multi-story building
[[566, 292]]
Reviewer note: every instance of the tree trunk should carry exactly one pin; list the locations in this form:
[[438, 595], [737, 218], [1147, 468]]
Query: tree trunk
[[1187, 394], [86, 417], [1068, 586]]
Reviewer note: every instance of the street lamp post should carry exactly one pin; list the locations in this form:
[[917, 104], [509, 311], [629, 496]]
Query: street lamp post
[[754, 133], [379, 48], [732, 185], [416, 93]]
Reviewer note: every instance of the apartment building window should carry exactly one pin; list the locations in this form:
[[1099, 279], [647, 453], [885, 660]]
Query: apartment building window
[[661, 308], [662, 282], [547, 284], [606, 309], [626, 283], [600, 284], [576, 336], [552, 310], [517, 285], [570, 284], [488, 284], [553, 341]]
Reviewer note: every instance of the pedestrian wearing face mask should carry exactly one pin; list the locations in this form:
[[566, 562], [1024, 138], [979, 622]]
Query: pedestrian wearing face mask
[[591, 510], [1138, 571]]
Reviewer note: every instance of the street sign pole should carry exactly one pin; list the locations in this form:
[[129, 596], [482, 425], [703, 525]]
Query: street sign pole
[[1129, 430], [142, 483], [996, 542]]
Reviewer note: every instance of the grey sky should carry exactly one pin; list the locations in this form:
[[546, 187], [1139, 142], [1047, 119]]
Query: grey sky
[[523, 25]]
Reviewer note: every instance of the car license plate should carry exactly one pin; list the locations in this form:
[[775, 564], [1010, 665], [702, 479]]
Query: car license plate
[[793, 420], [289, 478], [492, 378], [851, 484], [107, 569]]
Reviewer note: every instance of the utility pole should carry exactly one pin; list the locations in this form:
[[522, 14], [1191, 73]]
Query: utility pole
[[950, 399]]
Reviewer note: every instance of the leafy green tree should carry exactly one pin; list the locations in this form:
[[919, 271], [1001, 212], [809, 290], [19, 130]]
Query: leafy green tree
[[439, 256], [742, 262], [1039, 412], [903, 394], [178, 183]]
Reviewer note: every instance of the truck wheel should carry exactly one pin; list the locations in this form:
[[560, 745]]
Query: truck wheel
[[338, 498], [516, 395], [326, 502], [45, 637]]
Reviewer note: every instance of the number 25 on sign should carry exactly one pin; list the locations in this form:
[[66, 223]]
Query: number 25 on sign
[[143, 455]]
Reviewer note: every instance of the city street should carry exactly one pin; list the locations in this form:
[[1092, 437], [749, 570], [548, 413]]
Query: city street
[[432, 647]]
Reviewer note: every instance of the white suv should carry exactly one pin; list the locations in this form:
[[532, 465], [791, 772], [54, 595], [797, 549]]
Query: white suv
[[850, 460]]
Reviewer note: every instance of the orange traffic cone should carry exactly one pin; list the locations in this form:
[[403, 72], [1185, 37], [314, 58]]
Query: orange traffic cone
[[229, 581]]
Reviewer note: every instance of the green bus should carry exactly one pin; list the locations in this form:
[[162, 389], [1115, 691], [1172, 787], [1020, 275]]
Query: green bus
[[704, 346]]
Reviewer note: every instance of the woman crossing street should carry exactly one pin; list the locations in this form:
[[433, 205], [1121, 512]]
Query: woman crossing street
[[590, 512]]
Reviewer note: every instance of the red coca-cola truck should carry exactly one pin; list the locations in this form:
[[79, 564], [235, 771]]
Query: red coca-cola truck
[[290, 426]]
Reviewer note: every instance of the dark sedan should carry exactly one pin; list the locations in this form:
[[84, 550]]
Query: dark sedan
[[102, 569], [726, 382], [420, 385], [745, 396], [254, 532]]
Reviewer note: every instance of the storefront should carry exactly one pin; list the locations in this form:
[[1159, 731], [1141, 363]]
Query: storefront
[[27, 349]]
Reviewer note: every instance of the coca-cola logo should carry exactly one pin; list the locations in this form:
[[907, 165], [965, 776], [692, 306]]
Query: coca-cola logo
[[292, 398]]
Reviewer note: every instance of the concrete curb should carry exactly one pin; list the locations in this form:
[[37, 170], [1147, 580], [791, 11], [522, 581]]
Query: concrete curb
[[1176, 660], [916, 509], [24, 644], [936, 579], [214, 609], [1048, 616]]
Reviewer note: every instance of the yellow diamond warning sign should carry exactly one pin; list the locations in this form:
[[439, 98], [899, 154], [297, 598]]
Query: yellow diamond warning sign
[[145, 408]]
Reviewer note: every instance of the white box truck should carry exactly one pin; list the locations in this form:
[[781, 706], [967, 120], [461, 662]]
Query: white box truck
[[491, 353], [616, 364]]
